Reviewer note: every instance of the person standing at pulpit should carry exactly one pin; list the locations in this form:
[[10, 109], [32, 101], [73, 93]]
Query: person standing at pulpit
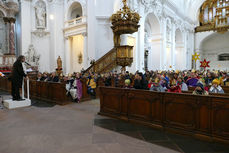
[[17, 77]]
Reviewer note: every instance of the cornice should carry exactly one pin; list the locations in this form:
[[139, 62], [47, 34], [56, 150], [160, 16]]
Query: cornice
[[82, 25]]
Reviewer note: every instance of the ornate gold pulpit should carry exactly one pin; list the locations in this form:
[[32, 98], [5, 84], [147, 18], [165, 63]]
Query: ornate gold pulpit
[[124, 56], [125, 21]]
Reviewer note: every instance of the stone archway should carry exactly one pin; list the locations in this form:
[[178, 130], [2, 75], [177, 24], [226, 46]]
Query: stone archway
[[153, 41], [214, 45], [75, 11]]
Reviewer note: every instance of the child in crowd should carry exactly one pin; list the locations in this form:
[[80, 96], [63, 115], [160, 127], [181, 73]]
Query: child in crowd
[[216, 88]]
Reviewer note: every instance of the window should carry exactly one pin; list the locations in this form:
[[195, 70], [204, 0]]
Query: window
[[224, 57]]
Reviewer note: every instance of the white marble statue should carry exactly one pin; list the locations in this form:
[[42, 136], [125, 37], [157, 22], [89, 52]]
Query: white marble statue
[[40, 13], [32, 57]]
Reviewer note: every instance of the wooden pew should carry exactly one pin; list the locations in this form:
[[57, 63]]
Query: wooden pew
[[85, 95], [204, 117], [47, 91]]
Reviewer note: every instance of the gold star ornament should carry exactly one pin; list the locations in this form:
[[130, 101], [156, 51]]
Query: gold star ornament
[[196, 57]]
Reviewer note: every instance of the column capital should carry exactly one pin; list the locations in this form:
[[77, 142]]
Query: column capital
[[84, 34], [9, 20]]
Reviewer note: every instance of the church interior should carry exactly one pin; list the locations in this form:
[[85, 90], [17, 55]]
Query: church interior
[[115, 76]]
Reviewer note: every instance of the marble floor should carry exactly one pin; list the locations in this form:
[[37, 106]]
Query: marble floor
[[76, 128]]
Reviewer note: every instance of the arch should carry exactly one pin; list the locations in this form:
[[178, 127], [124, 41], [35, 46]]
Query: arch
[[75, 11], [2, 12], [214, 45], [153, 23], [73, 4], [153, 41], [178, 36], [206, 38], [197, 9]]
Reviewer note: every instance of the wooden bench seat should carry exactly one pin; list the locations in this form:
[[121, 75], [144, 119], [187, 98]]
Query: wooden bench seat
[[47, 91], [205, 117]]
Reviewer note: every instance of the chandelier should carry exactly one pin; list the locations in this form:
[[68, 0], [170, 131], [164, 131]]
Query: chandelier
[[214, 15]]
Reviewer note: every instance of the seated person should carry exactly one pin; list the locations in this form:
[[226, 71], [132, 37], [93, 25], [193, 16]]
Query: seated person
[[200, 90], [116, 80], [107, 80], [150, 82], [209, 78], [140, 82], [216, 88], [157, 87], [127, 84], [222, 78], [226, 80], [91, 86], [74, 88], [53, 77], [44, 77], [164, 83], [182, 84], [174, 88], [127, 76], [39, 76], [192, 82]]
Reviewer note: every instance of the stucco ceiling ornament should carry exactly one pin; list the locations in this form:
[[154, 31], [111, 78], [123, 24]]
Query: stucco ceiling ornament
[[134, 5], [153, 6]]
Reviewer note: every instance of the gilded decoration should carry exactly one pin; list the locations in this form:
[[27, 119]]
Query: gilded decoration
[[124, 21], [59, 66], [80, 58], [214, 15]]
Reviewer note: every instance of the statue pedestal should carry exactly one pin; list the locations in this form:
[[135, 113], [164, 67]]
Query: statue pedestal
[[11, 104]]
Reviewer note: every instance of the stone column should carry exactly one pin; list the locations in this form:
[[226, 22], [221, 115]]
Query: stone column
[[174, 51], [11, 36], [67, 54], [85, 53], [6, 35], [141, 43], [164, 55]]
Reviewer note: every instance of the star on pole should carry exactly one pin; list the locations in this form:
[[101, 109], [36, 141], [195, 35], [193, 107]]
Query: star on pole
[[196, 57], [204, 64]]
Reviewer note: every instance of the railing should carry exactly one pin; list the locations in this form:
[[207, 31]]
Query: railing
[[7, 60], [105, 63], [76, 21]]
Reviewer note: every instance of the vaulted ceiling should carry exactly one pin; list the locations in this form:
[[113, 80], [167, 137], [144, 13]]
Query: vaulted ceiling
[[188, 7]]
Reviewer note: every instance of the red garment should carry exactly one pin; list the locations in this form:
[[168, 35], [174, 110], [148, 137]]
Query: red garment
[[177, 89], [149, 85]]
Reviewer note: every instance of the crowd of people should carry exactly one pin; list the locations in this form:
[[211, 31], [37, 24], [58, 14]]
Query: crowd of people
[[204, 82]]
